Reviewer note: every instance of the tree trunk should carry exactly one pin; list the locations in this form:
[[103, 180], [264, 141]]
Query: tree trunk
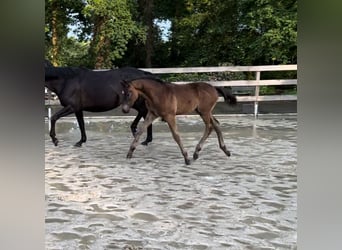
[[98, 45], [148, 21], [54, 33]]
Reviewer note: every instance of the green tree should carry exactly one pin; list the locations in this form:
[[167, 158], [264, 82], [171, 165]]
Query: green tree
[[202, 33], [112, 28], [238, 32], [268, 31], [59, 15]]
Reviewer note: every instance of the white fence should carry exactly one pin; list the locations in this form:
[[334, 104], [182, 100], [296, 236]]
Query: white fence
[[251, 83]]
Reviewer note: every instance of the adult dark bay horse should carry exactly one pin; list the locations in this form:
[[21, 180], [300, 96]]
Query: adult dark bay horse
[[166, 100], [80, 89]]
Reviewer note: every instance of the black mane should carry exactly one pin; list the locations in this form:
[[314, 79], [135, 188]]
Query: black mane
[[65, 72]]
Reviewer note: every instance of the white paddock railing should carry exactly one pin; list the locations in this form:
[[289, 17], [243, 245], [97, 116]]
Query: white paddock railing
[[234, 83], [251, 83]]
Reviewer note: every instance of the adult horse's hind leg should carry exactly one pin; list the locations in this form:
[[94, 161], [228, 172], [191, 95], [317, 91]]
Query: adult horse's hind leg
[[80, 120], [60, 113], [171, 121], [219, 136], [148, 121], [207, 132]]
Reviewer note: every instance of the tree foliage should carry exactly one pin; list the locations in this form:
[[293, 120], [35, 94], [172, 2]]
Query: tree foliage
[[202, 32], [112, 28]]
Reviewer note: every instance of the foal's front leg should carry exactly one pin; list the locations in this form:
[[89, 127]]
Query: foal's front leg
[[148, 121]]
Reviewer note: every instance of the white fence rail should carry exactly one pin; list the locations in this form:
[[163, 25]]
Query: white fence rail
[[251, 83]]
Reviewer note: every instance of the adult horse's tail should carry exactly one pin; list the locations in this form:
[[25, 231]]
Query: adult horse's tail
[[227, 95]]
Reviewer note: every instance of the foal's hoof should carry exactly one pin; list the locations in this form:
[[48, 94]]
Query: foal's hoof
[[187, 161], [228, 153], [195, 156], [129, 155], [55, 142]]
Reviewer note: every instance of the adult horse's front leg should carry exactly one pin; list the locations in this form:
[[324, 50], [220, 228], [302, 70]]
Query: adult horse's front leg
[[148, 137], [148, 121], [171, 121], [80, 120], [134, 124], [63, 112], [141, 113]]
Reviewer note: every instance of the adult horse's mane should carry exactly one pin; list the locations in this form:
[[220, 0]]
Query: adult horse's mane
[[64, 72]]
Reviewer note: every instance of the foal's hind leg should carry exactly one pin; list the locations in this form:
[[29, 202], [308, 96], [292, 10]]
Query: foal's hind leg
[[219, 136], [63, 112], [171, 121], [80, 120], [148, 121], [207, 132]]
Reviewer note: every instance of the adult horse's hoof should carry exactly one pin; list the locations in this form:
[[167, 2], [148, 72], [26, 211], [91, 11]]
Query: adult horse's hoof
[[55, 142], [146, 142], [129, 155], [195, 156], [78, 144]]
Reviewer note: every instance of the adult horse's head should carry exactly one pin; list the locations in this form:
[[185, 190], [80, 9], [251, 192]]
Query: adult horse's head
[[130, 95]]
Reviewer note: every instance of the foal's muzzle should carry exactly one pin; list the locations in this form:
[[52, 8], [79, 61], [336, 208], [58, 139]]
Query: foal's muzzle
[[125, 108]]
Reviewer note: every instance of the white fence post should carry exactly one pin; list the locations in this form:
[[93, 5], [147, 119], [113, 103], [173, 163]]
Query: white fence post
[[257, 89], [48, 92], [49, 117]]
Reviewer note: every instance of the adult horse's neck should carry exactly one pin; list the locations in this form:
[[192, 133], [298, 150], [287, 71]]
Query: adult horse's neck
[[55, 77], [55, 85]]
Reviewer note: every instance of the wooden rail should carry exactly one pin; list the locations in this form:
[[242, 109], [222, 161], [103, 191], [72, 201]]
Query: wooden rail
[[251, 83]]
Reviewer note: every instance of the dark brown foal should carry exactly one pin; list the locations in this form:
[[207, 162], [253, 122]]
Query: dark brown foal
[[166, 100]]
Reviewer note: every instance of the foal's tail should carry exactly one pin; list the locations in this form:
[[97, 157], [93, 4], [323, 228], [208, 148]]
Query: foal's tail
[[227, 95]]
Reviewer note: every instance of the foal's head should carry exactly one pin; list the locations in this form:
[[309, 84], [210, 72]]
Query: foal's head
[[130, 95]]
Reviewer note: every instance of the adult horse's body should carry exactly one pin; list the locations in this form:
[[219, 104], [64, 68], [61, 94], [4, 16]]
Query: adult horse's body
[[80, 89], [166, 100]]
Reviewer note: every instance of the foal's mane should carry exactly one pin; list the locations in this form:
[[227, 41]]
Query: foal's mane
[[148, 77]]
